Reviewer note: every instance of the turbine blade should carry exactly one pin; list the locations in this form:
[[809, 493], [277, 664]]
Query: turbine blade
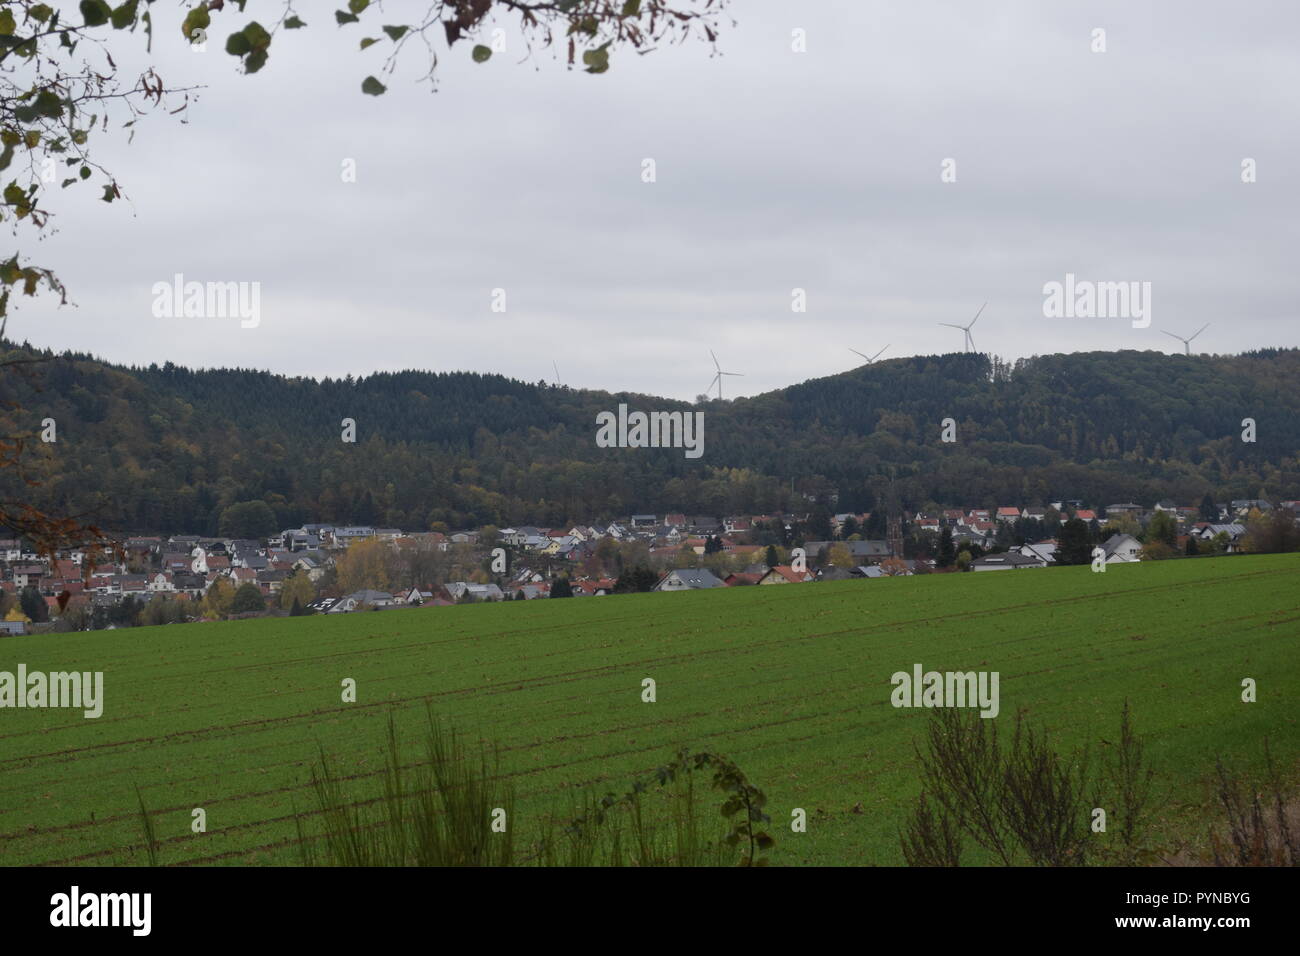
[[856, 352], [951, 326], [715, 360], [977, 316], [1200, 330], [1172, 336], [878, 354]]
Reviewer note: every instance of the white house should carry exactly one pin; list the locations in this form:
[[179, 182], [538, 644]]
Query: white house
[[1122, 549]]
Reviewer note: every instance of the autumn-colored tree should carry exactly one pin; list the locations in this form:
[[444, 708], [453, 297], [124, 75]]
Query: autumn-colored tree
[[299, 587], [1272, 533], [216, 603], [840, 556], [893, 566], [365, 564]]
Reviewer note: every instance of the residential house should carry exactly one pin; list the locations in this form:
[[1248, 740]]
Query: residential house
[[784, 574], [688, 579], [1007, 561], [1121, 548], [362, 598]]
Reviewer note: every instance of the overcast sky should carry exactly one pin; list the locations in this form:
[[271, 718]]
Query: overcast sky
[[775, 170]]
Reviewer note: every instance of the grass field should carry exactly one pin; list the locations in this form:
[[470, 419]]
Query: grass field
[[793, 683]]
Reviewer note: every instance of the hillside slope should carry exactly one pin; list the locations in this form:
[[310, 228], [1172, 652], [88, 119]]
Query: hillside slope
[[166, 448]]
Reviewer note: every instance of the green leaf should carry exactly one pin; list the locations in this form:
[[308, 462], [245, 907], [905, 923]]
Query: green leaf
[[7, 25], [597, 60], [40, 13], [16, 197], [196, 19], [124, 15], [110, 193], [48, 104], [293, 23], [95, 12], [342, 17], [237, 45], [372, 86], [369, 41], [481, 53], [396, 33], [356, 6], [85, 172], [257, 36], [632, 8], [255, 61]]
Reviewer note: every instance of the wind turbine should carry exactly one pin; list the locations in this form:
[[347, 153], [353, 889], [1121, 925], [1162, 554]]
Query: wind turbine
[[1187, 342], [869, 358], [970, 340], [718, 378]]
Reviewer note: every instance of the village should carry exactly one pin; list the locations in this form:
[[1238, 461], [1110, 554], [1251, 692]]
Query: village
[[326, 569]]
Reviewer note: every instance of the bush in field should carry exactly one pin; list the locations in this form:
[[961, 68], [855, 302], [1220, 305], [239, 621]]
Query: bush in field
[[1025, 803], [1260, 822], [455, 808]]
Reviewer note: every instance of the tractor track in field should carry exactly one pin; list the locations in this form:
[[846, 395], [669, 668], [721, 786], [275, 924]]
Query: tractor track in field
[[253, 824], [569, 676], [536, 682], [541, 682], [773, 703]]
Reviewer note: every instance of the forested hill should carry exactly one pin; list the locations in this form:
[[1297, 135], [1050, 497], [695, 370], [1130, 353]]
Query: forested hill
[[166, 449]]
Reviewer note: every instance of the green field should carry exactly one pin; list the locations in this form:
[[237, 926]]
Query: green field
[[791, 682]]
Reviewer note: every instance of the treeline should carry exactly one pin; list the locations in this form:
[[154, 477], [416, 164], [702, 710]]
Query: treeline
[[168, 449]]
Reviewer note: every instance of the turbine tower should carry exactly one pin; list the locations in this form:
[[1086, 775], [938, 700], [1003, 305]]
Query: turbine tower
[[1187, 342], [970, 339], [718, 377], [869, 358]]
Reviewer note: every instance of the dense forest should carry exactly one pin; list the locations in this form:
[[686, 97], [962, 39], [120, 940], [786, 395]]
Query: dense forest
[[168, 449]]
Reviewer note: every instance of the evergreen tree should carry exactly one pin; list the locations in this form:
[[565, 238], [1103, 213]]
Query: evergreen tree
[[636, 579], [947, 551], [771, 558], [561, 588], [1209, 510], [34, 605], [1074, 543]]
